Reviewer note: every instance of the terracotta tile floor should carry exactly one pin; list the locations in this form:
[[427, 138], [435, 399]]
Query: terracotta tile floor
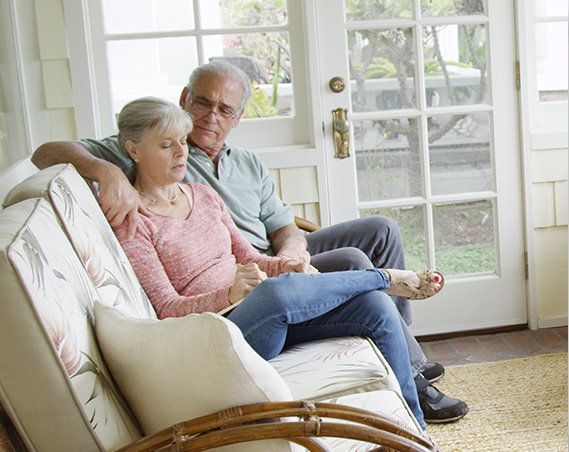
[[494, 347]]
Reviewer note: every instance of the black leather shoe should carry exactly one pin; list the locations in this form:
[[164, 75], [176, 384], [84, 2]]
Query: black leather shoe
[[437, 407], [432, 371]]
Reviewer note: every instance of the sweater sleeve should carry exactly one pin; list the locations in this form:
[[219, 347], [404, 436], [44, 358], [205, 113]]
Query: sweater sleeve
[[167, 302], [243, 251]]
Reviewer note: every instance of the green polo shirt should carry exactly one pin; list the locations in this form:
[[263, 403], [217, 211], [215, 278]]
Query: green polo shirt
[[241, 179]]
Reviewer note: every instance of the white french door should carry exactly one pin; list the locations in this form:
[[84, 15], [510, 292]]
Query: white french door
[[430, 94]]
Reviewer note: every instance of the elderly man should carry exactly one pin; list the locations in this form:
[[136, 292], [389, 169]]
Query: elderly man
[[215, 96]]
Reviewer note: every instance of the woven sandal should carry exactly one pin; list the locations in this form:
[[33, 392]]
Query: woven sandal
[[426, 289]]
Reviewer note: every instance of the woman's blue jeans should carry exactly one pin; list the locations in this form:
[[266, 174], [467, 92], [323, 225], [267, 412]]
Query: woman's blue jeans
[[296, 307]]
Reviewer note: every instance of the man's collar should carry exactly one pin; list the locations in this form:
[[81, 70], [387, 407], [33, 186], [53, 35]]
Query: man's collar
[[225, 149]]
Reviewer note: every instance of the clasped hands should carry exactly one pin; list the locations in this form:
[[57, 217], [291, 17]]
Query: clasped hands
[[250, 275]]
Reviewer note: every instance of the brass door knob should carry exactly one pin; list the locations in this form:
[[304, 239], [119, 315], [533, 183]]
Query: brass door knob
[[337, 84]]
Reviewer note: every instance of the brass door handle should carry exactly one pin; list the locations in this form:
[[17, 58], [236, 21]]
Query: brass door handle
[[341, 127]]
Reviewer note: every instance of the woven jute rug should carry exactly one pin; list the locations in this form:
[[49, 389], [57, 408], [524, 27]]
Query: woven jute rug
[[516, 405]]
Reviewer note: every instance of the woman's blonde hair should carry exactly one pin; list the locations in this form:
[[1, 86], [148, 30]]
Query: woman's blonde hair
[[141, 115], [147, 113]]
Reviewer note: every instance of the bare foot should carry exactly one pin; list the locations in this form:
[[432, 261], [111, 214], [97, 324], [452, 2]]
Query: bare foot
[[415, 285]]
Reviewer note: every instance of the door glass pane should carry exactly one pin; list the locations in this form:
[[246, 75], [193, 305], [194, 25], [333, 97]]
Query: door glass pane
[[242, 13], [387, 159], [265, 57], [377, 9], [411, 222], [148, 15], [455, 65], [464, 237], [382, 69], [438, 8], [459, 153]]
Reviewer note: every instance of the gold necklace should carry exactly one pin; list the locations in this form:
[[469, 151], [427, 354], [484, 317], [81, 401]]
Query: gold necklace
[[159, 200]]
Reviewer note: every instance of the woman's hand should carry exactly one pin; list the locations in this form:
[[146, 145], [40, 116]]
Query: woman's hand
[[294, 266], [247, 277]]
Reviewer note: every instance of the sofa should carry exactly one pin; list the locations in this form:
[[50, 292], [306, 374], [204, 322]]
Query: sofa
[[85, 365]]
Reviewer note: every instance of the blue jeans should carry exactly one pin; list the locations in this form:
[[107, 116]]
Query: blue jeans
[[295, 308], [366, 242]]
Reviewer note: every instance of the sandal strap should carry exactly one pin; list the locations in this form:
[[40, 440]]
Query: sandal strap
[[425, 278]]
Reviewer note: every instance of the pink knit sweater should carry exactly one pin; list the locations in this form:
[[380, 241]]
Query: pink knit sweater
[[188, 266]]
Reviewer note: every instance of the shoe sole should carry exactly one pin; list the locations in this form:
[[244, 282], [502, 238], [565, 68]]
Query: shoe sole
[[437, 378], [445, 421]]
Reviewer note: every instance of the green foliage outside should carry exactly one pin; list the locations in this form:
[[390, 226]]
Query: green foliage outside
[[260, 105], [386, 42], [388, 9], [269, 49], [245, 13], [455, 260], [451, 258]]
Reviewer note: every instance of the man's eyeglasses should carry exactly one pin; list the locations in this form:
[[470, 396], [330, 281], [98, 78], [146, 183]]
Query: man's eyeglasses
[[204, 109]]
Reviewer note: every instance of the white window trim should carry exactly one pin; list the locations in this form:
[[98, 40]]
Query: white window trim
[[91, 84], [79, 14]]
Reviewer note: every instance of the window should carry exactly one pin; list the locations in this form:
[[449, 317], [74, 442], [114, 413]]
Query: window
[[151, 50]]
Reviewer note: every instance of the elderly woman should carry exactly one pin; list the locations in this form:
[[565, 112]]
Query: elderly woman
[[190, 257]]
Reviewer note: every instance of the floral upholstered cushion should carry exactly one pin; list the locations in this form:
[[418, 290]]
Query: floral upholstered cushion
[[328, 368], [90, 234], [177, 369], [54, 384]]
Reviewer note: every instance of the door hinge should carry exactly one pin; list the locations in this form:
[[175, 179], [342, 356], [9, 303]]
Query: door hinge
[[518, 76], [526, 265]]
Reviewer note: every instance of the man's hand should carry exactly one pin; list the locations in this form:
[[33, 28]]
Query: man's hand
[[247, 277], [294, 266], [289, 242], [119, 200], [294, 249]]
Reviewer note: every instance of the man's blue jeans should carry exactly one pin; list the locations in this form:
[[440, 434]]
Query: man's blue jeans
[[295, 308]]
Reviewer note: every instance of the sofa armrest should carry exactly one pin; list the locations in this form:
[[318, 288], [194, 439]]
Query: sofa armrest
[[272, 421], [306, 225]]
